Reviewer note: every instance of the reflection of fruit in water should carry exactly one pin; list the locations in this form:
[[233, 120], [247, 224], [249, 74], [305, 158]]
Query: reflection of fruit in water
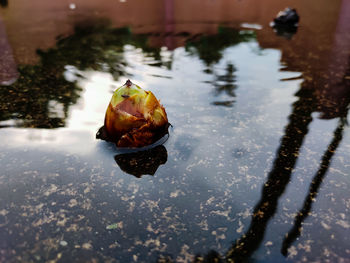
[[143, 162], [134, 117]]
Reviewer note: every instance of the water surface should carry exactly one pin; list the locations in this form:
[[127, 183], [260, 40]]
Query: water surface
[[256, 165]]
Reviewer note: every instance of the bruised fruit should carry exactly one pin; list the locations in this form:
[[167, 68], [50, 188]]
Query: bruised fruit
[[134, 118]]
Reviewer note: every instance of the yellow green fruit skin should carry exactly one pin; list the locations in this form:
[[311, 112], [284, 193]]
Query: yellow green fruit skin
[[134, 117]]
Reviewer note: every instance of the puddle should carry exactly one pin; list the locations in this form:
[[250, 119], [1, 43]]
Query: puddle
[[255, 167]]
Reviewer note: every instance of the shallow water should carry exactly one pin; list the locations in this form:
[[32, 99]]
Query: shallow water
[[256, 164]]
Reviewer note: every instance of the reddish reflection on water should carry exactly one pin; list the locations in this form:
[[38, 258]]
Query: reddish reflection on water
[[320, 49]]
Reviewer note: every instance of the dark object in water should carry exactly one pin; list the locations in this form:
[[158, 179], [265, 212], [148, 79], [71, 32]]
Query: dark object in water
[[142, 162], [288, 16], [286, 23], [4, 3]]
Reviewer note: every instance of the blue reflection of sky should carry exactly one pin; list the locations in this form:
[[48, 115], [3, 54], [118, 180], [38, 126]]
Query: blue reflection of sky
[[253, 124], [218, 157]]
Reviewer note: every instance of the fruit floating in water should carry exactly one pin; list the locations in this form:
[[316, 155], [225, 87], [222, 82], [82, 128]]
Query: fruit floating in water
[[134, 118]]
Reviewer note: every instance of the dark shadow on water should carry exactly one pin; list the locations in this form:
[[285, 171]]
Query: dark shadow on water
[[316, 182], [277, 181], [279, 177]]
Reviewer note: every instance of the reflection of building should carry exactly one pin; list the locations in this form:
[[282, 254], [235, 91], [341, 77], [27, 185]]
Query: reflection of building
[[7, 64], [319, 50], [42, 21], [321, 46]]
